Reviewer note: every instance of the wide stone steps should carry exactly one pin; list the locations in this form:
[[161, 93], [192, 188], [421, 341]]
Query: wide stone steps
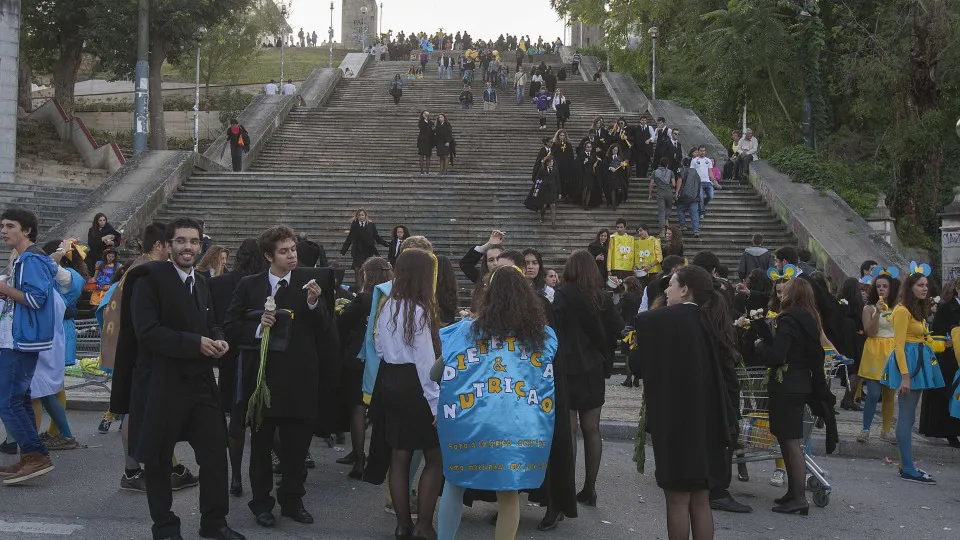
[[50, 203]]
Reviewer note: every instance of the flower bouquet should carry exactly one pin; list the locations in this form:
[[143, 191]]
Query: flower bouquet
[[260, 399]]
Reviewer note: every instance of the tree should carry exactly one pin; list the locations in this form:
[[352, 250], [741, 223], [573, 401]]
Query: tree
[[53, 35], [174, 28], [228, 46]]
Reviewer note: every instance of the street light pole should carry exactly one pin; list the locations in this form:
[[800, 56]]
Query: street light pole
[[331, 34], [141, 118], [283, 39], [196, 100], [654, 33], [380, 18]]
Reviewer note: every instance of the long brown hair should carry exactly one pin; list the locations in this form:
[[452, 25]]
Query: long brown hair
[[581, 270], [375, 270], [713, 307], [798, 294], [413, 286], [919, 309], [211, 261], [510, 307]]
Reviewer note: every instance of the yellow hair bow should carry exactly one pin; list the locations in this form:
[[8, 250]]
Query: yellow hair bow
[[789, 272], [515, 267]]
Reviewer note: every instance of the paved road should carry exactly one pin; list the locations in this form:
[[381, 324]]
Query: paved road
[[80, 501]]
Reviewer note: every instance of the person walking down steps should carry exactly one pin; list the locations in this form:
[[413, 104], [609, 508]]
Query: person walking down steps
[[396, 89], [542, 101]]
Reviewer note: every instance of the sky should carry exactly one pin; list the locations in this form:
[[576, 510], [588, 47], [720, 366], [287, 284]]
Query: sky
[[487, 20]]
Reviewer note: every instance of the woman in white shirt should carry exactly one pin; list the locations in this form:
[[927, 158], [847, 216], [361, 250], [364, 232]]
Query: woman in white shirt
[[407, 339]]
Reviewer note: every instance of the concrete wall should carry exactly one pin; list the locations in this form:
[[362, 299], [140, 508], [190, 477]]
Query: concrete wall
[[73, 129], [356, 62], [9, 49], [589, 65], [583, 35], [177, 123], [169, 90], [625, 93], [349, 14], [265, 114], [131, 196]]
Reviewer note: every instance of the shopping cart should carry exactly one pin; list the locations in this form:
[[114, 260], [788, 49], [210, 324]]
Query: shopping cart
[[756, 441], [86, 371]]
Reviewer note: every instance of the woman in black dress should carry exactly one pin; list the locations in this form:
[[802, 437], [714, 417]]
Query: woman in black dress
[[690, 417], [425, 142], [586, 322], [615, 169], [796, 358], [543, 193], [598, 248], [935, 418], [588, 179], [101, 236], [565, 157], [352, 325], [444, 138]]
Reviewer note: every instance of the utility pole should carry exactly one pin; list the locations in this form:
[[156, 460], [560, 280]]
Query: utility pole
[[331, 34], [141, 118]]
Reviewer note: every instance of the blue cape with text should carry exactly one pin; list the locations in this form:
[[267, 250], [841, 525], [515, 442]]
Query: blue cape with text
[[495, 417]]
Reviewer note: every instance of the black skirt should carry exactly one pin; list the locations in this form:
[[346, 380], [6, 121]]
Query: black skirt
[[587, 390], [786, 414], [424, 147], [408, 422], [349, 394]]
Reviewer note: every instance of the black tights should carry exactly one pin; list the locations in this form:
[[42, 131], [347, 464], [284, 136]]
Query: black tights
[[592, 445], [358, 433], [428, 489], [686, 509], [425, 164], [443, 165], [796, 469]]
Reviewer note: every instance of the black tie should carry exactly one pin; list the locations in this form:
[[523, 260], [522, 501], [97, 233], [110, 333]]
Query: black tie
[[189, 283], [281, 287]]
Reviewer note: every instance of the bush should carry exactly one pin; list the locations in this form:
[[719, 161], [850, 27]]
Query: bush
[[859, 187], [228, 101]]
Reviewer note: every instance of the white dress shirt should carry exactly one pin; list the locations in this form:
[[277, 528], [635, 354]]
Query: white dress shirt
[[270, 89], [274, 287], [392, 348], [184, 276]]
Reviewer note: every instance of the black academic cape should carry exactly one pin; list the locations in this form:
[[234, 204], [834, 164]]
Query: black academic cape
[[539, 162], [688, 410], [935, 419], [302, 377], [158, 350], [363, 241], [566, 167], [221, 293]]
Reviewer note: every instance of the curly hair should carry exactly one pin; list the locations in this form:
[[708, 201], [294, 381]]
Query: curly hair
[[510, 308], [248, 259], [413, 286]]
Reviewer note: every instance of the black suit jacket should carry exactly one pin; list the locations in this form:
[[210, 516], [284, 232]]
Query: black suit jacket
[[539, 162], [310, 365], [364, 241], [158, 354], [469, 264], [394, 250]]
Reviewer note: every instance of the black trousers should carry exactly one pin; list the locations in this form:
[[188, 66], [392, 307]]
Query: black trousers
[[642, 160], [236, 154], [295, 437], [742, 167], [202, 424]]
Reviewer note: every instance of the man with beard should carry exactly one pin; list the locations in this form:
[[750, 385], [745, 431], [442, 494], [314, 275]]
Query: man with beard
[[166, 351]]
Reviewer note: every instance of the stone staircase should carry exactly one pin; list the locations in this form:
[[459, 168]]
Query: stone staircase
[[359, 150], [50, 202]]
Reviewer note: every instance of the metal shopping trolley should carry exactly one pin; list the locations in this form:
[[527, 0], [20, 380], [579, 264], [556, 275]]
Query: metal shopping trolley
[[756, 441], [88, 347]]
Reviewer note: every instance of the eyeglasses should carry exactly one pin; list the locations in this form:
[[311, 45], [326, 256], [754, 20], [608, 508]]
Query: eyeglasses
[[184, 241]]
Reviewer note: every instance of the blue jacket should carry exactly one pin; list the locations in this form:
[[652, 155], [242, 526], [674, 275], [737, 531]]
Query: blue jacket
[[542, 101], [368, 352], [33, 324]]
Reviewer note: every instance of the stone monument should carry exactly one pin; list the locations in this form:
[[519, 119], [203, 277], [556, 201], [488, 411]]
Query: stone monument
[[358, 25], [9, 88]]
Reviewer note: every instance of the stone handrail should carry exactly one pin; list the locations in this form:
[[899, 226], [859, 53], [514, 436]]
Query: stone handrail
[[74, 130]]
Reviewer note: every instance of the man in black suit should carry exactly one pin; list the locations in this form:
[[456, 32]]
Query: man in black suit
[[643, 135], [301, 353], [166, 351], [364, 238], [662, 140]]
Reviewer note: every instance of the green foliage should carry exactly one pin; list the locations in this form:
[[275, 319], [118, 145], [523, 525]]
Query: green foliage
[[298, 64], [227, 101], [810, 167]]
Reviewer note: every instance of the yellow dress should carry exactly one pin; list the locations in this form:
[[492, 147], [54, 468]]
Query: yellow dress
[[877, 349]]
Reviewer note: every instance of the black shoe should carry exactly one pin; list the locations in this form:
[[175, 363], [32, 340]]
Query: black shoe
[[348, 459], [309, 462], [236, 487], [628, 383], [547, 524], [223, 533], [636, 382], [356, 472], [801, 507], [184, 479], [953, 442], [266, 519], [415, 535], [589, 499], [300, 515], [402, 533], [729, 504], [9, 448], [341, 438], [174, 537], [783, 500]]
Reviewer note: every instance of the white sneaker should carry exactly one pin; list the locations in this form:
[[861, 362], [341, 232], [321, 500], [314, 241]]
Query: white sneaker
[[864, 436], [778, 478], [888, 437]]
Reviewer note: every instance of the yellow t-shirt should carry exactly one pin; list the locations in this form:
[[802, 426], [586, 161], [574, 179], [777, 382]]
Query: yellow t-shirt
[[620, 252], [648, 252]]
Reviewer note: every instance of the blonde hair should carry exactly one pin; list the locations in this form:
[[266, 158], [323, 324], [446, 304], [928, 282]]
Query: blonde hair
[[211, 261]]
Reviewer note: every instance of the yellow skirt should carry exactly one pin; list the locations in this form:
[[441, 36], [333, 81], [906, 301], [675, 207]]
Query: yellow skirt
[[876, 352]]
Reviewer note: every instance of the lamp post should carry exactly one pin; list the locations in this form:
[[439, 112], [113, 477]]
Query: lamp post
[[196, 101], [330, 33], [654, 33], [380, 18], [607, 24], [283, 39]]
